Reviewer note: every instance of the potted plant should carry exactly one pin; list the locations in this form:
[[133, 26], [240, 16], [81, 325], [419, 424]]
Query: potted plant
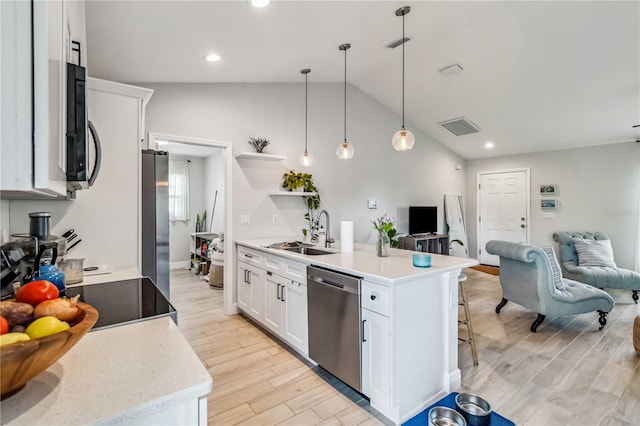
[[259, 144], [295, 181]]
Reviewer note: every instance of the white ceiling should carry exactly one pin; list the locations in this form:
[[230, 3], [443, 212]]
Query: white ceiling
[[537, 75]]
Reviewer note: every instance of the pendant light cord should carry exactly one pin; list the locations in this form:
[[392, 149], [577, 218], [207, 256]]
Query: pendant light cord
[[306, 108], [345, 95], [403, 42]]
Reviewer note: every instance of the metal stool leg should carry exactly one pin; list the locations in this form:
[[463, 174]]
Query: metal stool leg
[[467, 320]]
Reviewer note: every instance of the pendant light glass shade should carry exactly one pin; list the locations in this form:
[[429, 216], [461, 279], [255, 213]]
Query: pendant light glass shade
[[344, 151], [403, 139], [305, 159]]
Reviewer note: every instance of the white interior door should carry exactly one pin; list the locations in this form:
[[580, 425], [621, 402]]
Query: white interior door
[[503, 210]]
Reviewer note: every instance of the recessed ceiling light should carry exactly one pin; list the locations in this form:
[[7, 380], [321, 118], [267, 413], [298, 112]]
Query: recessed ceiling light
[[212, 57], [259, 3], [488, 145]]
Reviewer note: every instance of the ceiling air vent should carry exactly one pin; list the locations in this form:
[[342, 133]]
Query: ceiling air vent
[[398, 42], [460, 126]]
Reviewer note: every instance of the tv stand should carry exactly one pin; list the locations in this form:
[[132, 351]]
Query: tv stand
[[431, 243]]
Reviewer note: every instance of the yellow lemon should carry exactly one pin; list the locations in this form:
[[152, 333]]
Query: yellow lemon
[[9, 338], [45, 326]]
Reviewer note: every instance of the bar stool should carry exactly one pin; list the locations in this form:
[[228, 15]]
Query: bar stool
[[462, 301]]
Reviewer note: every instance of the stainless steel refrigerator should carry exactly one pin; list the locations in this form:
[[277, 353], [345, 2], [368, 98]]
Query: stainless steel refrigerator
[[155, 218]]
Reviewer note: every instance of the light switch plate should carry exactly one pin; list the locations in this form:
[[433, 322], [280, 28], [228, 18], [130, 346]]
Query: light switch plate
[[245, 219], [373, 204], [275, 219]]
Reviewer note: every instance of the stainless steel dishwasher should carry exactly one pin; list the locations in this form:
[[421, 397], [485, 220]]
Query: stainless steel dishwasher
[[334, 323]]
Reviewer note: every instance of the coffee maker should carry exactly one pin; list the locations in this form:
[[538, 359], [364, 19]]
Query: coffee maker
[[22, 256]]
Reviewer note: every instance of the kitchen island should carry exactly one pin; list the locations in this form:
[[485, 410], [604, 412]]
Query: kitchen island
[[141, 373], [409, 316]]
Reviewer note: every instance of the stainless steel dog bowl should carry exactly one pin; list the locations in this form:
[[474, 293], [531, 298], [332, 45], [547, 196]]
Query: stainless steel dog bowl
[[475, 410], [444, 416]]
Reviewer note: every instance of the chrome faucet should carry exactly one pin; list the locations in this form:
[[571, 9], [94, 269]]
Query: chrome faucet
[[328, 239]]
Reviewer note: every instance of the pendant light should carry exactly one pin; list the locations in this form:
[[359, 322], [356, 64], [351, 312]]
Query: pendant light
[[403, 139], [345, 149], [305, 158]]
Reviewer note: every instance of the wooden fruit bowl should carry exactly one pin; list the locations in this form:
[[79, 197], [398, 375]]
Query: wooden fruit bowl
[[22, 361]]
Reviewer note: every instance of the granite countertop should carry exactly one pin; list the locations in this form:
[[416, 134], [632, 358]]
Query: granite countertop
[[117, 375], [396, 268]]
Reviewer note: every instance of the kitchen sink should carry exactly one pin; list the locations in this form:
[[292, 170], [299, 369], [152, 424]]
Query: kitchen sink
[[311, 251]]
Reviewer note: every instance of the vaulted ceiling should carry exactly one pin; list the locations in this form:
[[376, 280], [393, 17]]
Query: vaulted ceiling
[[536, 76]]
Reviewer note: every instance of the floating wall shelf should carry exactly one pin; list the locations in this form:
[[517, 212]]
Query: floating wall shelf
[[293, 193], [261, 156]]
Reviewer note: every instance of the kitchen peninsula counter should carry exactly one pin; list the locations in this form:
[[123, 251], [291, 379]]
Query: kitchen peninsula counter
[[409, 358], [142, 373], [393, 269]]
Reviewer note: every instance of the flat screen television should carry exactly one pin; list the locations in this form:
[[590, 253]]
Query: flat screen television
[[423, 220]]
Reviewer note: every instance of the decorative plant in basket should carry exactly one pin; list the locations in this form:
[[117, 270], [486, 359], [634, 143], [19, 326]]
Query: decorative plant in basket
[[259, 144]]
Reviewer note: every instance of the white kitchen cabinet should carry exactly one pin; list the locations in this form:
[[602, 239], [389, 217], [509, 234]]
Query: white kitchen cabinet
[[250, 289], [284, 295], [274, 289], [376, 364], [296, 329], [35, 51]]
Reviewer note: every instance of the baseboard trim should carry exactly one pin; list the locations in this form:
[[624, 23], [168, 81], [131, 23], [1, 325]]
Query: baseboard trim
[[180, 265]]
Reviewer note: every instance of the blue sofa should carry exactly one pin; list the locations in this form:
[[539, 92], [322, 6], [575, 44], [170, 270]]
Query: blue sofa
[[597, 276], [527, 278]]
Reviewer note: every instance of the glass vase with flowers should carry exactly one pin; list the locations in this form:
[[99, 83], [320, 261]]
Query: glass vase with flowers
[[386, 227]]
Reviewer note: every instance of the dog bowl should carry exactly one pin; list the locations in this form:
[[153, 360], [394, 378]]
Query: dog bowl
[[444, 416], [475, 410]]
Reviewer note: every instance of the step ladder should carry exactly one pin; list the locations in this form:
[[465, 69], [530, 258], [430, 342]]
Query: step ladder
[[462, 301]]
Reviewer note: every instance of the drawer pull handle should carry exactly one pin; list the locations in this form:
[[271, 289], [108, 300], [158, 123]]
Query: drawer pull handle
[[278, 292], [373, 297], [363, 339], [248, 255]]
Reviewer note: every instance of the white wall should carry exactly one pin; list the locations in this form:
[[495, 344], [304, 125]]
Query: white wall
[[4, 221], [179, 239], [214, 171], [235, 112], [597, 191]]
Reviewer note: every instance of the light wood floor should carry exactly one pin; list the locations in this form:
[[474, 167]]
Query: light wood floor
[[566, 373]]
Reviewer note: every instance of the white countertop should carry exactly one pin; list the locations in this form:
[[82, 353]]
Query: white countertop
[[395, 268], [116, 375]]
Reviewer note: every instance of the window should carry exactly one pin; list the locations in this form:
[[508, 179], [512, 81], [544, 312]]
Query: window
[[179, 190]]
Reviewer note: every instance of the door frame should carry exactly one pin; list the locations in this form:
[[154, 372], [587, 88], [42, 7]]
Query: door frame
[[527, 172], [228, 273]]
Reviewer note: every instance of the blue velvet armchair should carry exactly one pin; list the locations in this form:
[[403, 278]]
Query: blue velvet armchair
[[597, 276], [530, 279]]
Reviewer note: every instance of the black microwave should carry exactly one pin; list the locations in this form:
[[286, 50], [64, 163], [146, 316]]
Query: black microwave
[[79, 128]]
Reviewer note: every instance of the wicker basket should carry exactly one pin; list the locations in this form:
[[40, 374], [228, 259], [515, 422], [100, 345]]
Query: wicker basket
[[636, 334]]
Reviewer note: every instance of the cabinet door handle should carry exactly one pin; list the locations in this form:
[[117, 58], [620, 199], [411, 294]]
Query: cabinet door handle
[[249, 277], [248, 255], [282, 298], [363, 339], [278, 292], [373, 297], [246, 280]]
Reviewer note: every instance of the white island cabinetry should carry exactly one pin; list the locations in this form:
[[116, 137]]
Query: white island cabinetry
[[409, 320], [275, 295]]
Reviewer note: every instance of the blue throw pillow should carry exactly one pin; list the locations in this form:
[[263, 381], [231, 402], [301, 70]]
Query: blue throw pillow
[[556, 273]]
